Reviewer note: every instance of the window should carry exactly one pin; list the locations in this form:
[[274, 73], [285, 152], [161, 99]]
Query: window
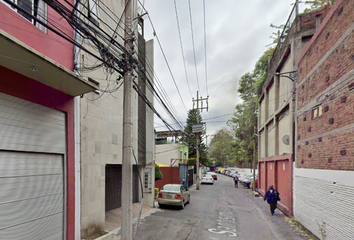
[[317, 112], [93, 11], [36, 8]]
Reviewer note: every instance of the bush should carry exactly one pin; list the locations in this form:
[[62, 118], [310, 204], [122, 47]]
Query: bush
[[192, 162], [158, 173], [156, 192]]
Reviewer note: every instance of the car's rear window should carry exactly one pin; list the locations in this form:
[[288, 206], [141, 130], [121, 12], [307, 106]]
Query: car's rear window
[[171, 188]]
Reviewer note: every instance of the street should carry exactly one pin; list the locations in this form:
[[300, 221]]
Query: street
[[219, 211]]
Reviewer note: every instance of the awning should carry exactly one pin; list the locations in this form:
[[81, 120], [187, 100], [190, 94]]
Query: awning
[[161, 165], [20, 58]]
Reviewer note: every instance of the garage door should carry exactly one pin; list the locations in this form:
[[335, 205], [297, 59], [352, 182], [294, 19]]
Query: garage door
[[31, 196], [32, 176]]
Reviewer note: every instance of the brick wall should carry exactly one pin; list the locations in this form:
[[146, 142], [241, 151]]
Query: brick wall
[[326, 70]]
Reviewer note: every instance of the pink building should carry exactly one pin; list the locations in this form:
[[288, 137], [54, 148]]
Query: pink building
[[37, 137]]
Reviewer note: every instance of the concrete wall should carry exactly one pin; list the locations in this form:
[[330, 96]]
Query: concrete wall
[[285, 84], [262, 112], [101, 129], [149, 193], [271, 101], [271, 128], [263, 144], [284, 129], [165, 152]]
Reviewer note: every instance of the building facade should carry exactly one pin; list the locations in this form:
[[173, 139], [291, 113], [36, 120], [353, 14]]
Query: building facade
[[324, 169], [101, 116], [37, 123], [277, 106]]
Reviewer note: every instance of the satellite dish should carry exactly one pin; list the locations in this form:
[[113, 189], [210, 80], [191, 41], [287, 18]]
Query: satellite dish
[[286, 139]]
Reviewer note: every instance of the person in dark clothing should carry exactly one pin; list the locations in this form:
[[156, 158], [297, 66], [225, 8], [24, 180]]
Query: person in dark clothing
[[272, 197], [236, 181], [184, 184]]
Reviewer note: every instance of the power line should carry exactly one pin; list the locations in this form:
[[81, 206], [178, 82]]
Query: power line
[[162, 92], [180, 40], [165, 58], [205, 51], [195, 61], [151, 88]]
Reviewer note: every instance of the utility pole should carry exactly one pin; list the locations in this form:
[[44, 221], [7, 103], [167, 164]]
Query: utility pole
[[254, 160], [127, 167], [198, 129]]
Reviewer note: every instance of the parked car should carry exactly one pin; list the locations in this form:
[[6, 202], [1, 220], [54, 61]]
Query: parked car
[[214, 175], [247, 181], [173, 194], [244, 177], [207, 178]]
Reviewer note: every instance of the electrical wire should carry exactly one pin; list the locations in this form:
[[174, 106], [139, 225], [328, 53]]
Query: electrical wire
[[159, 98], [63, 11], [195, 61], [165, 58], [205, 51], [180, 41]]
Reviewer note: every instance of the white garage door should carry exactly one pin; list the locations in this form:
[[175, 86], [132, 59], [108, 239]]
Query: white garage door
[[32, 176]]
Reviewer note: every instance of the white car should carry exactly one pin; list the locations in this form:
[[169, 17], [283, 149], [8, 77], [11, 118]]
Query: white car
[[207, 178]]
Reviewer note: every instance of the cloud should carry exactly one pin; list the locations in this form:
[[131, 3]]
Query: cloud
[[237, 34]]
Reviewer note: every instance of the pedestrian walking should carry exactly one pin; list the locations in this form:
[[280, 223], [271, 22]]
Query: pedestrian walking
[[272, 197], [184, 184], [236, 181]]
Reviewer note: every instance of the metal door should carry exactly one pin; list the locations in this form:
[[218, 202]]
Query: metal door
[[113, 186], [190, 177], [32, 170]]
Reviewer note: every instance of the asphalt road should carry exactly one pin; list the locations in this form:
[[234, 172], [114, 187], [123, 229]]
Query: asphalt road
[[218, 212]]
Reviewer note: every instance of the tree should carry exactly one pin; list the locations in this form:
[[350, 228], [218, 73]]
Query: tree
[[158, 173], [317, 4], [244, 119], [191, 139], [221, 148]]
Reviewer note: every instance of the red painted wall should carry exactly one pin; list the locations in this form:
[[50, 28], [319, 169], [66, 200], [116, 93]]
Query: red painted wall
[[16, 85], [170, 175], [49, 44], [278, 171], [61, 51]]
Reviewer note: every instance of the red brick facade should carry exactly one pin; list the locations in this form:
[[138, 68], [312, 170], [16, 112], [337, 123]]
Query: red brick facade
[[325, 139]]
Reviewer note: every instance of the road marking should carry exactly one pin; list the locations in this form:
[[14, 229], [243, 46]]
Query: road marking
[[226, 224]]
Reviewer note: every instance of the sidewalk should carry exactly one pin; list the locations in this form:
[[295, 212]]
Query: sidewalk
[[113, 219], [280, 224]]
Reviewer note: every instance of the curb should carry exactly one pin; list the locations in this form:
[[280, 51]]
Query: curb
[[113, 235]]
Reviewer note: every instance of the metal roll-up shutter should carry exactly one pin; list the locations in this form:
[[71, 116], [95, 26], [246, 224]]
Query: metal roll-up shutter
[[32, 176]]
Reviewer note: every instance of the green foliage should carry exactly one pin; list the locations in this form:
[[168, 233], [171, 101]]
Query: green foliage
[[156, 192], [244, 120], [158, 173], [317, 4], [192, 162], [193, 115], [221, 148], [276, 35]]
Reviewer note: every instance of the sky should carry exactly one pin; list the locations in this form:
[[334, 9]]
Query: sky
[[237, 34]]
